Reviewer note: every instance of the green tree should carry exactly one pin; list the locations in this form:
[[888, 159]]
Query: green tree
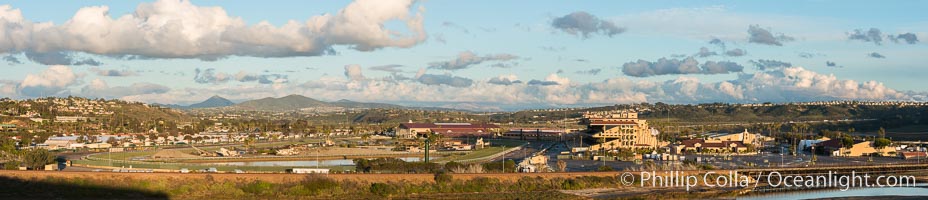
[[879, 143], [112, 141], [847, 141], [249, 141], [8, 146], [37, 159], [362, 165], [26, 141]]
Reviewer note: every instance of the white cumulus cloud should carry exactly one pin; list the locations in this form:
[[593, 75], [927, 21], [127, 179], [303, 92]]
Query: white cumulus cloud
[[180, 29], [52, 81]]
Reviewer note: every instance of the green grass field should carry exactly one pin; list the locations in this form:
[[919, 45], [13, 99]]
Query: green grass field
[[124, 159], [496, 147], [133, 154], [473, 155]]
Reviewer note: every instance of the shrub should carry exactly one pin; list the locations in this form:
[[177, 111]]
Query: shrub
[[257, 187], [453, 165], [382, 189], [478, 184], [393, 165], [443, 177], [498, 166], [570, 184], [12, 165], [315, 183], [471, 169], [706, 167]]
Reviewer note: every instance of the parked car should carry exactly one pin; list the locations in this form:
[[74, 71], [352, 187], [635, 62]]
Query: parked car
[[184, 170], [212, 170]]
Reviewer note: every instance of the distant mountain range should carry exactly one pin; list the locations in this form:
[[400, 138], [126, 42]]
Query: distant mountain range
[[290, 102], [297, 102], [213, 102]]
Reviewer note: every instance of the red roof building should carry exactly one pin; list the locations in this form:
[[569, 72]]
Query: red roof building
[[910, 155], [412, 130], [700, 145]]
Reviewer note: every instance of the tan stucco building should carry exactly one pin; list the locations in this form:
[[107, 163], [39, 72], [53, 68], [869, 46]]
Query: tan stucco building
[[620, 129], [863, 148], [745, 137]]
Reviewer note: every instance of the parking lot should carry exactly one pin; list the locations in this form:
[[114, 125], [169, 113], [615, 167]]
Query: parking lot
[[737, 161]]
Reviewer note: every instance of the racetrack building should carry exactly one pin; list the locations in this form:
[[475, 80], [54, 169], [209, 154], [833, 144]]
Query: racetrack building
[[620, 130], [448, 130]]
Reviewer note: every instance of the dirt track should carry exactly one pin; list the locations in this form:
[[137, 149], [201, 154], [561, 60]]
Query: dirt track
[[281, 178]]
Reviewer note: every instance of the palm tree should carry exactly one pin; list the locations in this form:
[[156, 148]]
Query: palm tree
[[611, 146]]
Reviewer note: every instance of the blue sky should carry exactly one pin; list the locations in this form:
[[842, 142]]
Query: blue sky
[[500, 48]]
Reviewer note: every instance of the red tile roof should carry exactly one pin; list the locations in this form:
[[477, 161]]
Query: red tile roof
[[416, 125], [602, 122], [908, 154], [692, 142], [458, 130], [448, 126], [723, 144]]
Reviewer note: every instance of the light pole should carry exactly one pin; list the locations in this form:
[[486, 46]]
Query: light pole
[[812, 161], [604, 159], [504, 160], [781, 156]]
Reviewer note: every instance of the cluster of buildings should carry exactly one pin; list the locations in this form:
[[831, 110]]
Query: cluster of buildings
[[722, 143], [412, 130], [79, 107], [138, 140], [623, 130], [832, 103], [613, 130], [837, 147]]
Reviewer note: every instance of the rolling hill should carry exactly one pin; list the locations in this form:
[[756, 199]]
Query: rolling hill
[[354, 104], [212, 102]]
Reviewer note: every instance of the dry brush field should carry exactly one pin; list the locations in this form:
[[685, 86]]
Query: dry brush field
[[285, 178]]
